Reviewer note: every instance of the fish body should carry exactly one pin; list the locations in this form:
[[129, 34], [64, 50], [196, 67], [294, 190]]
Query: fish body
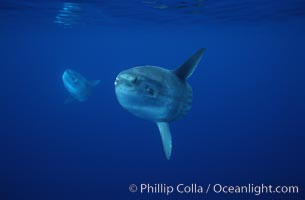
[[77, 85], [158, 94]]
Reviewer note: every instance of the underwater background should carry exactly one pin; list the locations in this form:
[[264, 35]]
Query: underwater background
[[246, 125]]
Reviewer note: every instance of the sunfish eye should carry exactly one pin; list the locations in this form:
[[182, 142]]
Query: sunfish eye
[[75, 80], [129, 77], [135, 79], [149, 90]]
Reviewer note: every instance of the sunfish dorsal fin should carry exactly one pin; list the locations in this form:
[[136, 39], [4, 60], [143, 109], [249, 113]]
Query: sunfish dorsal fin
[[166, 138], [187, 69]]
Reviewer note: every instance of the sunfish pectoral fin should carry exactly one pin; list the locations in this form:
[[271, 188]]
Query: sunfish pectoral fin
[[94, 83], [69, 99], [187, 69], [166, 138]]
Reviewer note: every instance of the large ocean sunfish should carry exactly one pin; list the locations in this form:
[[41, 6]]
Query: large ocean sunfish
[[78, 86], [157, 94]]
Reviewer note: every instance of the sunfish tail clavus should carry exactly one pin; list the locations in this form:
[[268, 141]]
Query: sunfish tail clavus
[[78, 86], [157, 94]]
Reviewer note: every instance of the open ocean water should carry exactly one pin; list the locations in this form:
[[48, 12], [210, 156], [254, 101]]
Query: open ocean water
[[247, 122]]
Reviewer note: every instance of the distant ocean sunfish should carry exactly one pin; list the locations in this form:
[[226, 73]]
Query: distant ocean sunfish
[[157, 94], [78, 87]]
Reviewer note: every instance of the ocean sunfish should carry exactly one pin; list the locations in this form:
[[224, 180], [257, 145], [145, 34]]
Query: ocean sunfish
[[157, 94], [78, 86]]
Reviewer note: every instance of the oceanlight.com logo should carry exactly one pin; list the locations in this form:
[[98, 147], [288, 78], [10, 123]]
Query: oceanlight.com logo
[[194, 188]]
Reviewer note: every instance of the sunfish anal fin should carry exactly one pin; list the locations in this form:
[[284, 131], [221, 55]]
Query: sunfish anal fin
[[166, 138]]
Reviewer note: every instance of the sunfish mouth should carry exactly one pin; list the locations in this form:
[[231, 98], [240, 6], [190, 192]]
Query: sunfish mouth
[[116, 81]]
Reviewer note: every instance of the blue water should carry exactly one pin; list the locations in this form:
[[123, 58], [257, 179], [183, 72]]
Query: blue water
[[246, 125]]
